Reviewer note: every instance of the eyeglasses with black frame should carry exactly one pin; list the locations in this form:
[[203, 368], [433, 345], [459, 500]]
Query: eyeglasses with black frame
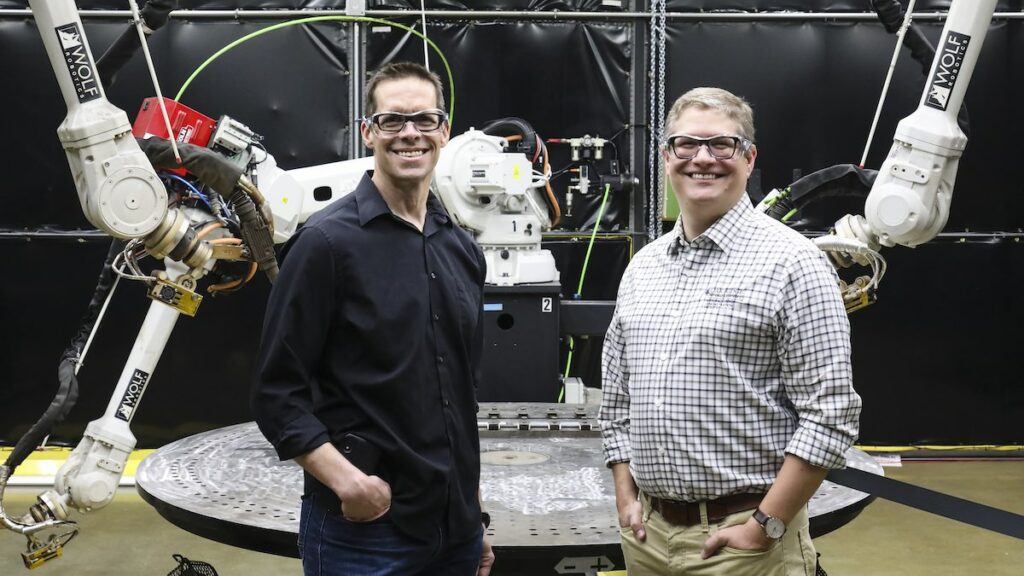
[[721, 147], [425, 121]]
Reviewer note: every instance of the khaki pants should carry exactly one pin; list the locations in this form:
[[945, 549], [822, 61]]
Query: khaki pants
[[675, 550]]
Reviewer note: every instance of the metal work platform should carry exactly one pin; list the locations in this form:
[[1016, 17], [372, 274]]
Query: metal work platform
[[543, 480]]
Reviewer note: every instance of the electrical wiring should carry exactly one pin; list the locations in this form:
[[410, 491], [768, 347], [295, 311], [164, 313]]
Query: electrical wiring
[[552, 201], [208, 227], [861, 292], [541, 150], [126, 259], [247, 37], [191, 187], [832, 243]]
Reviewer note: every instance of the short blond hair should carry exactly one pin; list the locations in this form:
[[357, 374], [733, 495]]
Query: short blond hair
[[734, 107]]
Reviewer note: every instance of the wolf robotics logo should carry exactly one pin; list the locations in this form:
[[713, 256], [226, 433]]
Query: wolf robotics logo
[[947, 71], [136, 386], [80, 67]]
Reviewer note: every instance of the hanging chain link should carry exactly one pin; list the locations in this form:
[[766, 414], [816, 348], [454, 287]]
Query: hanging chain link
[[656, 119]]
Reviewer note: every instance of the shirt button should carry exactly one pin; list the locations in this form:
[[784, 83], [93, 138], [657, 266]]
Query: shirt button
[[675, 313], [658, 402], [440, 359], [433, 275], [661, 449], [664, 356], [437, 316]]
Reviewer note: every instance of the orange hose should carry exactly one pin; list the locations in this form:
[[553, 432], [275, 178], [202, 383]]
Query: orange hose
[[214, 288], [208, 228], [551, 195]]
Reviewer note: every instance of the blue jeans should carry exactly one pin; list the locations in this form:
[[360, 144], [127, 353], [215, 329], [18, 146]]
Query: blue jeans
[[332, 546]]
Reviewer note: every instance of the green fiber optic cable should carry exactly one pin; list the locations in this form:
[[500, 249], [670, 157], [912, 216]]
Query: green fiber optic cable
[[568, 362], [247, 37], [583, 274], [790, 214], [593, 236]]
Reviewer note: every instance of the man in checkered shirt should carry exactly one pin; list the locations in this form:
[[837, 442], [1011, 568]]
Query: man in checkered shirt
[[727, 381]]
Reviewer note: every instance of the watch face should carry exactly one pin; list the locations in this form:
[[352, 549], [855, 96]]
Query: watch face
[[774, 528]]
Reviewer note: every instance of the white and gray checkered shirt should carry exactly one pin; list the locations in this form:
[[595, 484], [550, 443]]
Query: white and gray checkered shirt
[[724, 354]]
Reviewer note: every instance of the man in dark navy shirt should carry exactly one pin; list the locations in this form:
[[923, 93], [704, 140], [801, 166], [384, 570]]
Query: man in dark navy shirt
[[370, 358]]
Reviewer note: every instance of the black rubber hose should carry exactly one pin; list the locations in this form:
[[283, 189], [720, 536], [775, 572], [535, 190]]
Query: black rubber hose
[[212, 169], [154, 14], [67, 391], [841, 180], [255, 234], [512, 125]]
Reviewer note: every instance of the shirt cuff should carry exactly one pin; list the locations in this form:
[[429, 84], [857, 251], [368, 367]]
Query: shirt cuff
[[820, 446], [301, 436]]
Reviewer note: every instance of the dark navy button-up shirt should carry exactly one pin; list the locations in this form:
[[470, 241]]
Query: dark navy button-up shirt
[[375, 328]]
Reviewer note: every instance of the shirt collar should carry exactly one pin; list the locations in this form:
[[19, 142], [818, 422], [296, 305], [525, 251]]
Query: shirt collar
[[370, 204], [724, 233]]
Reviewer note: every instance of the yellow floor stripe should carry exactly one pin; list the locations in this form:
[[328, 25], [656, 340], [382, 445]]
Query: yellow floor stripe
[[46, 462], [954, 448]]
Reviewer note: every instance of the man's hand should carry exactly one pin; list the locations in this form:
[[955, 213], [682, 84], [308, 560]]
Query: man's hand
[[627, 502], [746, 536], [365, 498], [486, 557], [631, 514]]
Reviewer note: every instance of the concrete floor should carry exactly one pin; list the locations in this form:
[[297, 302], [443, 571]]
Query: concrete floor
[[130, 538]]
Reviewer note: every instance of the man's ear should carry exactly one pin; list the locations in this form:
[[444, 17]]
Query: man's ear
[[751, 156], [446, 133], [367, 134]]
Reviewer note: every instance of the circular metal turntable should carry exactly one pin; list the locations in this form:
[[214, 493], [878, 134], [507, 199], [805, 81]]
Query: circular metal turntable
[[551, 499]]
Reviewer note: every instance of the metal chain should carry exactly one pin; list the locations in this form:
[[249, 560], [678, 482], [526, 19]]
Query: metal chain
[[656, 119]]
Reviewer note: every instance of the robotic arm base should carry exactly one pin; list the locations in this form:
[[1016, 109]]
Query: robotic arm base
[[510, 266]]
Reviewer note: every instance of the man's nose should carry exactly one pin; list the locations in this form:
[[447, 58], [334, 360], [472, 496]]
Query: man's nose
[[704, 154], [409, 130]]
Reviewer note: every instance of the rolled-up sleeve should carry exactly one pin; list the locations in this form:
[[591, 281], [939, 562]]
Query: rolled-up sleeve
[[814, 353], [614, 414], [295, 330]]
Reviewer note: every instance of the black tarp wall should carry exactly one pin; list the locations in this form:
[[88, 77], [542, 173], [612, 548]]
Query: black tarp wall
[[933, 359]]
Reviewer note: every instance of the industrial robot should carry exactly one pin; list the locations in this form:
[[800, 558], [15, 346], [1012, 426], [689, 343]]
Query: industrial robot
[[228, 203]]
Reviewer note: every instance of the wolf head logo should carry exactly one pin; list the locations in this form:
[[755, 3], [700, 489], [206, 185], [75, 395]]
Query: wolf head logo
[[939, 95], [70, 38]]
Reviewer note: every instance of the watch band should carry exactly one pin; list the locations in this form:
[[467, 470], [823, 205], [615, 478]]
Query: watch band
[[773, 527]]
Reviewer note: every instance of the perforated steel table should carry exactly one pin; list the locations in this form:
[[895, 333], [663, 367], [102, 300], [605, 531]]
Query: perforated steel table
[[543, 480]]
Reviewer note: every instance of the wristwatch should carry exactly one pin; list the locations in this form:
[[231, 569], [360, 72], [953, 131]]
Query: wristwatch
[[772, 526]]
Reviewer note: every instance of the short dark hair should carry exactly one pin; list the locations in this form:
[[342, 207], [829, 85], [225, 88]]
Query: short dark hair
[[398, 71]]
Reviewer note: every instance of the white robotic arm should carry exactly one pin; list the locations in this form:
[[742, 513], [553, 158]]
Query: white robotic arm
[[488, 191], [493, 194], [909, 201]]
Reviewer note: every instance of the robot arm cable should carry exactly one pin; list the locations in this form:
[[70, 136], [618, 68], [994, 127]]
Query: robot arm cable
[[67, 391]]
